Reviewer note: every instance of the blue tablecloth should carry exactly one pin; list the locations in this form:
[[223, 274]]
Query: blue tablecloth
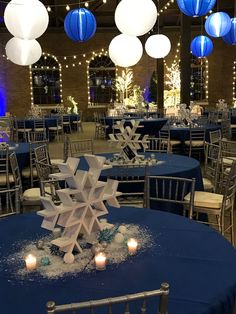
[[183, 133], [168, 165], [150, 126], [197, 262]]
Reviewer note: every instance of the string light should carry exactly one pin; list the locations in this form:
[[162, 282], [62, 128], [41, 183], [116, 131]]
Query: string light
[[234, 82], [49, 9], [46, 67], [67, 7], [86, 4]]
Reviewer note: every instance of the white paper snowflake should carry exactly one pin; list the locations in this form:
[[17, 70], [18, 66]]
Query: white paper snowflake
[[127, 140], [81, 204]]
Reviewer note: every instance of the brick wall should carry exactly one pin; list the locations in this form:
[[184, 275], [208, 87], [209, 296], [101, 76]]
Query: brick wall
[[15, 79]]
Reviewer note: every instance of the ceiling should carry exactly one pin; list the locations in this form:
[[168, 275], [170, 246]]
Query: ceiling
[[104, 12]]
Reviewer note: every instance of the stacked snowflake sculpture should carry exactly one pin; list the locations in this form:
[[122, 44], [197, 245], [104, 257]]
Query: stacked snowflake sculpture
[[81, 204], [127, 140]]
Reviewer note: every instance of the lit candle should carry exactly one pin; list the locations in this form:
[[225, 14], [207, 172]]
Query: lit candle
[[132, 246], [100, 261], [30, 262]]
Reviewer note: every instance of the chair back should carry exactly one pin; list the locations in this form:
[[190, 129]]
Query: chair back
[[16, 173], [41, 154], [4, 163], [226, 129], [131, 183], [170, 190], [109, 303], [39, 123], [213, 117], [212, 169], [37, 137], [215, 136], [158, 145], [80, 147]]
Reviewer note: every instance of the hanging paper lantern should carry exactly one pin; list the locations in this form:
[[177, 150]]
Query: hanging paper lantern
[[230, 37], [158, 46], [26, 19], [80, 24], [201, 46], [195, 7], [135, 17], [125, 50], [23, 52], [218, 24]]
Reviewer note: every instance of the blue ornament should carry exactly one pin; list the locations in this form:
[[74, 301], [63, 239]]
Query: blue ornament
[[201, 46], [218, 24], [80, 24], [195, 7], [45, 261], [230, 37]]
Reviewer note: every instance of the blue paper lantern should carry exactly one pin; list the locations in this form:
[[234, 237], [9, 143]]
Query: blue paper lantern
[[80, 24], [201, 46], [218, 24], [195, 7], [230, 37]]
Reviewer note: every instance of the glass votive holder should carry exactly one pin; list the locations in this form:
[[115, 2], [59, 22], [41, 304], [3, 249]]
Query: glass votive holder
[[100, 261], [132, 246], [31, 262]]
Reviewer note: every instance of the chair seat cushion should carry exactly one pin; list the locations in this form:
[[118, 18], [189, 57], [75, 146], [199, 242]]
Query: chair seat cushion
[[195, 143], [55, 162], [175, 142], [55, 128], [208, 186], [75, 122], [206, 199], [26, 172], [39, 129], [3, 179], [33, 194], [24, 130], [233, 126], [228, 160]]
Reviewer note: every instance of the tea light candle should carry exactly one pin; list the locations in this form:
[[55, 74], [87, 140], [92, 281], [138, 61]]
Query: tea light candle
[[100, 261], [30, 262], [132, 246]]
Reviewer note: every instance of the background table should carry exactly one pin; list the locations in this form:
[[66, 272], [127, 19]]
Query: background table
[[150, 126], [168, 165], [183, 133], [198, 263]]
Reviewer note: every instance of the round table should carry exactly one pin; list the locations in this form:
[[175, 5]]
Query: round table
[[183, 133], [168, 165], [149, 126], [197, 262]]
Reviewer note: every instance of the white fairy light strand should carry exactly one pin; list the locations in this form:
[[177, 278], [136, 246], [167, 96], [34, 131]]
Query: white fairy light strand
[[234, 81]]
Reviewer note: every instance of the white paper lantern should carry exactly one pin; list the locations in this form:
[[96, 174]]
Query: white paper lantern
[[158, 46], [23, 52], [26, 19], [135, 17], [125, 50]]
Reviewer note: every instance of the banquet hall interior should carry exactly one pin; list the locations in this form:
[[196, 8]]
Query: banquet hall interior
[[118, 156]]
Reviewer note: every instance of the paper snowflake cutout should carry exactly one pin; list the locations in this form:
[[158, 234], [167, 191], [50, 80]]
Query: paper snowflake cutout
[[127, 140], [82, 203]]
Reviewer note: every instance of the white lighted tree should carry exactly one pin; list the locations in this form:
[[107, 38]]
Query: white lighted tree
[[123, 83]]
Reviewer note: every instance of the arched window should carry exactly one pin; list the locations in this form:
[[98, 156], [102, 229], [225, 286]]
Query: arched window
[[46, 85], [199, 79], [101, 78]]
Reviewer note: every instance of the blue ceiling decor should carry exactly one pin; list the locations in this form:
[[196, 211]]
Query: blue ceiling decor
[[201, 46], [195, 8], [230, 37], [218, 24], [80, 24]]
